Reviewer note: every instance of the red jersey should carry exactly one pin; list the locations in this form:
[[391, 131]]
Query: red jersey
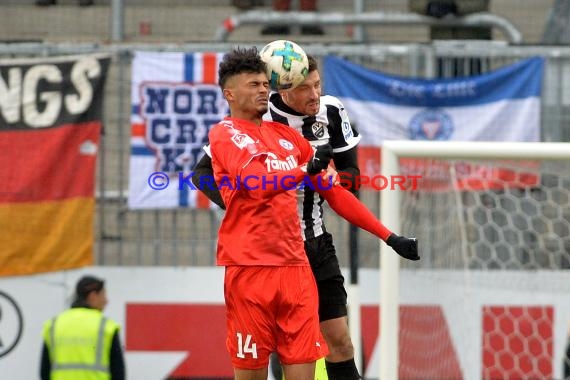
[[260, 227]]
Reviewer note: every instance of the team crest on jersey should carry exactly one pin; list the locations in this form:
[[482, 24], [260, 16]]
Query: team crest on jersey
[[242, 140], [347, 130], [318, 129], [285, 144], [431, 124]]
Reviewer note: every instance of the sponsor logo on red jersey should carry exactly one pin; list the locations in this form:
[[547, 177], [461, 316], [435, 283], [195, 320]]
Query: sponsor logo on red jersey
[[274, 163]]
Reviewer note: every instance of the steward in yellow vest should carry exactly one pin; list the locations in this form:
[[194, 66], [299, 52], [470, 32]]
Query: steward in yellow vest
[[81, 343], [277, 371]]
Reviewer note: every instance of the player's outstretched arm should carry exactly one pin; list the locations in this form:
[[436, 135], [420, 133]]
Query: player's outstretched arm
[[346, 164], [350, 208]]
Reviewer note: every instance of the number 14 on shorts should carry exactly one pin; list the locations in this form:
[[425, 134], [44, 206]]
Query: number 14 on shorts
[[246, 347]]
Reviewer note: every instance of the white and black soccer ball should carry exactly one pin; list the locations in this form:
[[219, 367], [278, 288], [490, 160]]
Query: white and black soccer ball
[[287, 64]]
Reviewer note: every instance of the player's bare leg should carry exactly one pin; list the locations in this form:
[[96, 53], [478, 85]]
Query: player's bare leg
[[304, 371], [340, 361], [250, 374], [336, 334]]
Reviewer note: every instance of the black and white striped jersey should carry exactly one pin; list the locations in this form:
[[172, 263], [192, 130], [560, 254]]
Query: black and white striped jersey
[[330, 125]]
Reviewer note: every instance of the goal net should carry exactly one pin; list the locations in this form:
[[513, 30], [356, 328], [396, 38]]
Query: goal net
[[490, 297]]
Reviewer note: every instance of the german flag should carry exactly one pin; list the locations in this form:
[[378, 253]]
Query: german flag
[[50, 123]]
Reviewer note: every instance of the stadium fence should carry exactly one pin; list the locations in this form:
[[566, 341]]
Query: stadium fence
[[187, 237]]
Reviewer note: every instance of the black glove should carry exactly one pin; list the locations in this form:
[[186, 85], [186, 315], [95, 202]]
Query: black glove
[[405, 247], [320, 160], [439, 9]]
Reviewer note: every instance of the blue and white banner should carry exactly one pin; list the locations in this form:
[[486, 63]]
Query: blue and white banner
[[502, 105], [175, 101]]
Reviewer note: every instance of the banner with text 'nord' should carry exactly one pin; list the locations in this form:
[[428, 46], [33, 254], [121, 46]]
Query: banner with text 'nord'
[[175, 101]]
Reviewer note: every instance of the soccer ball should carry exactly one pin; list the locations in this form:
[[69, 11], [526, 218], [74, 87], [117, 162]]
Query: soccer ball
[[287, 64]]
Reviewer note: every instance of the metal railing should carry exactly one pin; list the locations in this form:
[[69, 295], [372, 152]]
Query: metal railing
[[254, 17]]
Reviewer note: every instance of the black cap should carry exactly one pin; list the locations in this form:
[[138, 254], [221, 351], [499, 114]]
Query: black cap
[[87, 284]]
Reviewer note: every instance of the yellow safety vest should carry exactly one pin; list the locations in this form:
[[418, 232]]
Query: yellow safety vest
[[79, 344], [320, 370]]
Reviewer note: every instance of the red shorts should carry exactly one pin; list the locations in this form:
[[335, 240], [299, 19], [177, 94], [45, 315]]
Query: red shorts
[[272, 308]]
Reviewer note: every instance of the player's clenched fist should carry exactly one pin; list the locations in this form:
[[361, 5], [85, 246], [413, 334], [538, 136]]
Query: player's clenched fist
[[320, 160], [405, 247]]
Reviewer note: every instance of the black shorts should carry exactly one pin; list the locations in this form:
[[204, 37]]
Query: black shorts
[[330, 282]]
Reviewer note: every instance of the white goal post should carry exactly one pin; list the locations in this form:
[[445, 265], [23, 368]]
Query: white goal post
[[392, 151]]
